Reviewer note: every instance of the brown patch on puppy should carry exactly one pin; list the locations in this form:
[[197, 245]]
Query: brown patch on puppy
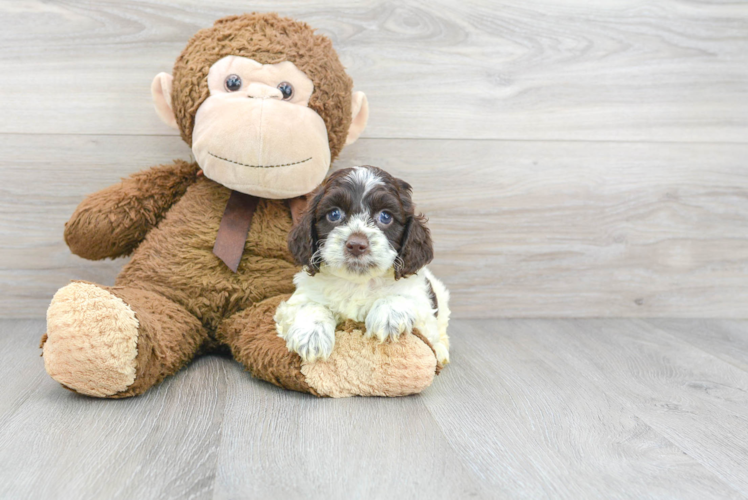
[[303, 240], [432, 297], [416, 250], [407, 233]]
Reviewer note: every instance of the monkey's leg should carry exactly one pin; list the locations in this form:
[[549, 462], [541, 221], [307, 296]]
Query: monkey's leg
[[116, 342], [357, 367], [255, 343]]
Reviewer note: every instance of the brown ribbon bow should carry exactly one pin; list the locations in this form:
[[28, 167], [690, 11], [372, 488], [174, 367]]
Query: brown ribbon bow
[[234, 228], [235, 224]]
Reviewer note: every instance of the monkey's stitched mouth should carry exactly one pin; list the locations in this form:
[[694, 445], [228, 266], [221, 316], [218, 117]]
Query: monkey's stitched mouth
[[259, 166]]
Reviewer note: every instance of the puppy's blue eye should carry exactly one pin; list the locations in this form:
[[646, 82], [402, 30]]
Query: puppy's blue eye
[[385, 218], [334, 215]]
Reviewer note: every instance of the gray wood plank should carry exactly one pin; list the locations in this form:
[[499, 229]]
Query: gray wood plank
[[59, 445], [726, 339], [533, 426], [692, 398], [605, 70], [19, 368], [278, 444], [521, 229]]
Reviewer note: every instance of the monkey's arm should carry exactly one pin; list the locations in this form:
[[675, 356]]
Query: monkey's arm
[[112, 222]]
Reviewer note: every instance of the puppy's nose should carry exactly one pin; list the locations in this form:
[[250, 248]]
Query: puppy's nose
[[357, 245]]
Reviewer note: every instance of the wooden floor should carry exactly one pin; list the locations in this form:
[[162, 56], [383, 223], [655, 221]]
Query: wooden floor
[[528, 409]]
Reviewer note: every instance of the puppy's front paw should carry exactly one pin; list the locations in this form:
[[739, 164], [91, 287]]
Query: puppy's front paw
[[311, 340], [389, 319]]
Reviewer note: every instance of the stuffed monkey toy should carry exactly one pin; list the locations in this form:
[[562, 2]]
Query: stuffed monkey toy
[[266, 106]]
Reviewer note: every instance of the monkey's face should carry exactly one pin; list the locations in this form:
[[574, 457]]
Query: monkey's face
[[255, 133]]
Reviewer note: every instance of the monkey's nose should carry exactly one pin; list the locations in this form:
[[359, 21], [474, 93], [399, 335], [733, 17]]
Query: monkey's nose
[[357, 245], [262, 91]]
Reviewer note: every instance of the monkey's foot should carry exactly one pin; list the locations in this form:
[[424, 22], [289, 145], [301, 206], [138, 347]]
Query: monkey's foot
[[361, 366], [92, 339]]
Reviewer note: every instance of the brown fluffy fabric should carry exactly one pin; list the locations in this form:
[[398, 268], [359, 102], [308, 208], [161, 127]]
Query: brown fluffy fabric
[[255, 343], [134, 207], [176, 260], [180, 292], [268, 39], [168, 337]]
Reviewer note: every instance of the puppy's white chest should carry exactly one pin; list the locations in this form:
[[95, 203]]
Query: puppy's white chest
[[353, 300]]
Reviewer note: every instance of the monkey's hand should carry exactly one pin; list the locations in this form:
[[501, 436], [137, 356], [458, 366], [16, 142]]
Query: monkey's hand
[[112, 222]]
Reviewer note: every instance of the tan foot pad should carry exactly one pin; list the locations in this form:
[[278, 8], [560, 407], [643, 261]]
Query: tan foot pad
[[92, 339], [363, 367]]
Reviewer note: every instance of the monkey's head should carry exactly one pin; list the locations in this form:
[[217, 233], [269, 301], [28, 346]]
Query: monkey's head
[[264, 102]]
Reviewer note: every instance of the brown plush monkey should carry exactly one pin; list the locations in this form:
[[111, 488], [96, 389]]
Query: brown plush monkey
[[266, 106]]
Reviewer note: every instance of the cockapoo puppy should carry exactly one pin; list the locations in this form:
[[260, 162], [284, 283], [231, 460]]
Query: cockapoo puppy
[[364, 252]]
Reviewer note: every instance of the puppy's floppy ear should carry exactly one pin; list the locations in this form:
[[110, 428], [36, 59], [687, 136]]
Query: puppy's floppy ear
[[404, 186], [416, 249], [302, 239]]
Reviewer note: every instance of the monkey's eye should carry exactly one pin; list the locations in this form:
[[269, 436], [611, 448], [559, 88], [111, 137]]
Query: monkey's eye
[[334, 215], [286, 89], [233, 83], [385, 218]]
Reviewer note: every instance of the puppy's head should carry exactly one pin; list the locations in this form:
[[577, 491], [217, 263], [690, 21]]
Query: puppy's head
[[361, 222]]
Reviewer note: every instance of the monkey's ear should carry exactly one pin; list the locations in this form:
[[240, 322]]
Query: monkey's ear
[[360, 113], [416, 249], [161, 92]]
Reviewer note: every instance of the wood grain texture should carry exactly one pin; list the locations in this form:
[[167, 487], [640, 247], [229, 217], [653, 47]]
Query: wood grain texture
[[604, 70], [668, 384], [521, 229], [533, 426], [59, 445], [277, 444], [725, 339], [19, 367], [573, 409]]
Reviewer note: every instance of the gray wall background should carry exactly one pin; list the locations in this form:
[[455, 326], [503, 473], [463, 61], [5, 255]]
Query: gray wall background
[[576, 159]]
